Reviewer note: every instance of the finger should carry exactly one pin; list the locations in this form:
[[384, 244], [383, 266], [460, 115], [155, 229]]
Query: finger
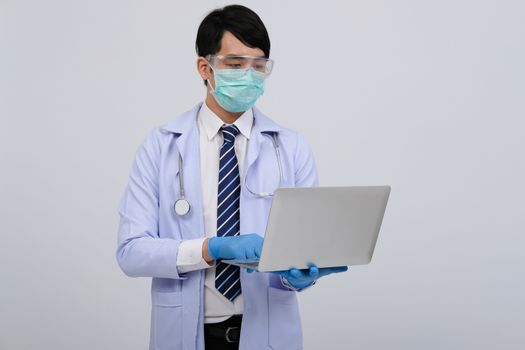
[[295, 273], [257, 251], [250, 254], [338, 269], [259, 245], [314, 272]]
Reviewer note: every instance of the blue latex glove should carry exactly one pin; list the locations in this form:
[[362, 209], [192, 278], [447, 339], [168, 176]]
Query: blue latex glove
[[240, 247], [303, 278]]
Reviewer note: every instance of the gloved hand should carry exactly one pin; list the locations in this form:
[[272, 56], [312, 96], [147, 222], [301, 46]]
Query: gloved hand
[[241, 247], [303, 278]]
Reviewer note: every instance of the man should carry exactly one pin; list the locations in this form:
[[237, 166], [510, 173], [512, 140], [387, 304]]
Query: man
[[199, 191]]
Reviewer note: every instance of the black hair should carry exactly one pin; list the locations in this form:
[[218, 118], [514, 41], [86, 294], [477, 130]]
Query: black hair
[[239, 20]]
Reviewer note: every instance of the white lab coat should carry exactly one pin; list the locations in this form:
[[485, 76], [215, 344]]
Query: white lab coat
[[150, 232]]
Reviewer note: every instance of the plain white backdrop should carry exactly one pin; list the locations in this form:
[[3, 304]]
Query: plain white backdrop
[[426, 96]]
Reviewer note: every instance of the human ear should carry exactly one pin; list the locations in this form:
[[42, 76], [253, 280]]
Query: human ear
[[204, 68]]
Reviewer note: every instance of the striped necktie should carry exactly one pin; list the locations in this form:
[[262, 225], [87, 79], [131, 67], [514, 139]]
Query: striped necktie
[[227, 277]]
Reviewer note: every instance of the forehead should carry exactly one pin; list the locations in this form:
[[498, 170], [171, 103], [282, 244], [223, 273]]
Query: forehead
[[230, 45]]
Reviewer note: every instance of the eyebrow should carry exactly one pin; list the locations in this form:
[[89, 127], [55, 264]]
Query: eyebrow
[[236, 54]]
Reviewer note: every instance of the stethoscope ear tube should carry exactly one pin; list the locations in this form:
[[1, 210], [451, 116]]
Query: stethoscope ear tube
[[275, 143], [181, 205]]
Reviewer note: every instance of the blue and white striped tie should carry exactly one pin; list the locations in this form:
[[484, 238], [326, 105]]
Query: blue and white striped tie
[[227, 277]]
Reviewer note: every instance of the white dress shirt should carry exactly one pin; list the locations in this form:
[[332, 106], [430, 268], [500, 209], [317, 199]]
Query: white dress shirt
[[217, 307]]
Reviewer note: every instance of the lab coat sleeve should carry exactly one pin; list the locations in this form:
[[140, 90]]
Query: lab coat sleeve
[[140, 250], [305, 167], [189, 256]]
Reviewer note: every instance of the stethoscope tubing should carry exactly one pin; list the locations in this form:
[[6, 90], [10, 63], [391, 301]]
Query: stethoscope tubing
[[182, 206]]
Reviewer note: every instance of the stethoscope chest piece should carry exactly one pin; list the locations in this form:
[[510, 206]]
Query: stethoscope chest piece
[[181, 207]]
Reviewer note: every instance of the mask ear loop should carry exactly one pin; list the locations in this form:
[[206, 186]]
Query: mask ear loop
[[212, 90], [208, 80]]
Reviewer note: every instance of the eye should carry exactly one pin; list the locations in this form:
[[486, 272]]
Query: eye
[[235, 61]]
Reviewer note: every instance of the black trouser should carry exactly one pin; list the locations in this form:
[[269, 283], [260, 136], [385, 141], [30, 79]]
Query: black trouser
[[223, 335]]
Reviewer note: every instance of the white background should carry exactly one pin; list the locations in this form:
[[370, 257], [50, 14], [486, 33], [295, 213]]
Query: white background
[[426, 96]]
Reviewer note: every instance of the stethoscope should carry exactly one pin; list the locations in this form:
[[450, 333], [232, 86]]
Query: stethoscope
[[182, 206]]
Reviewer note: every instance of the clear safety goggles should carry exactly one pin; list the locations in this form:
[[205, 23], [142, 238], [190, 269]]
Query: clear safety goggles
[[260, 64]]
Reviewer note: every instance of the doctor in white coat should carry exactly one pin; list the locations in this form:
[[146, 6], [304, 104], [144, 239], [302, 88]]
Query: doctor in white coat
[[220, 162]]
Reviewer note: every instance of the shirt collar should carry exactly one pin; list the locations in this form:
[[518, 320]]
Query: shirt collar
[[212, 123]]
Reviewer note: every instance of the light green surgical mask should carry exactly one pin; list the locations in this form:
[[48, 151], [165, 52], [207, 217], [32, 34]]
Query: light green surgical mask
[[236, 90]]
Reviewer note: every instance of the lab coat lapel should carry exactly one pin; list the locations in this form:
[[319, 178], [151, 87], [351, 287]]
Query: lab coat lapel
[[261, 124], [254, 146], [187, 141], [185, 127]]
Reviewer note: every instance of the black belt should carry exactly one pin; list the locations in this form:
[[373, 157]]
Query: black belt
[[230, 330]]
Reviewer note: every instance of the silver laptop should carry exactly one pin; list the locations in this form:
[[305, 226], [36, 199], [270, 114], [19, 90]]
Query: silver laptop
[[327, 226]]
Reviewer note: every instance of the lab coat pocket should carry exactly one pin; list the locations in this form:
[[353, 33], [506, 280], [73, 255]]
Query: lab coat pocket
[[284, 320], [166, 320]]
